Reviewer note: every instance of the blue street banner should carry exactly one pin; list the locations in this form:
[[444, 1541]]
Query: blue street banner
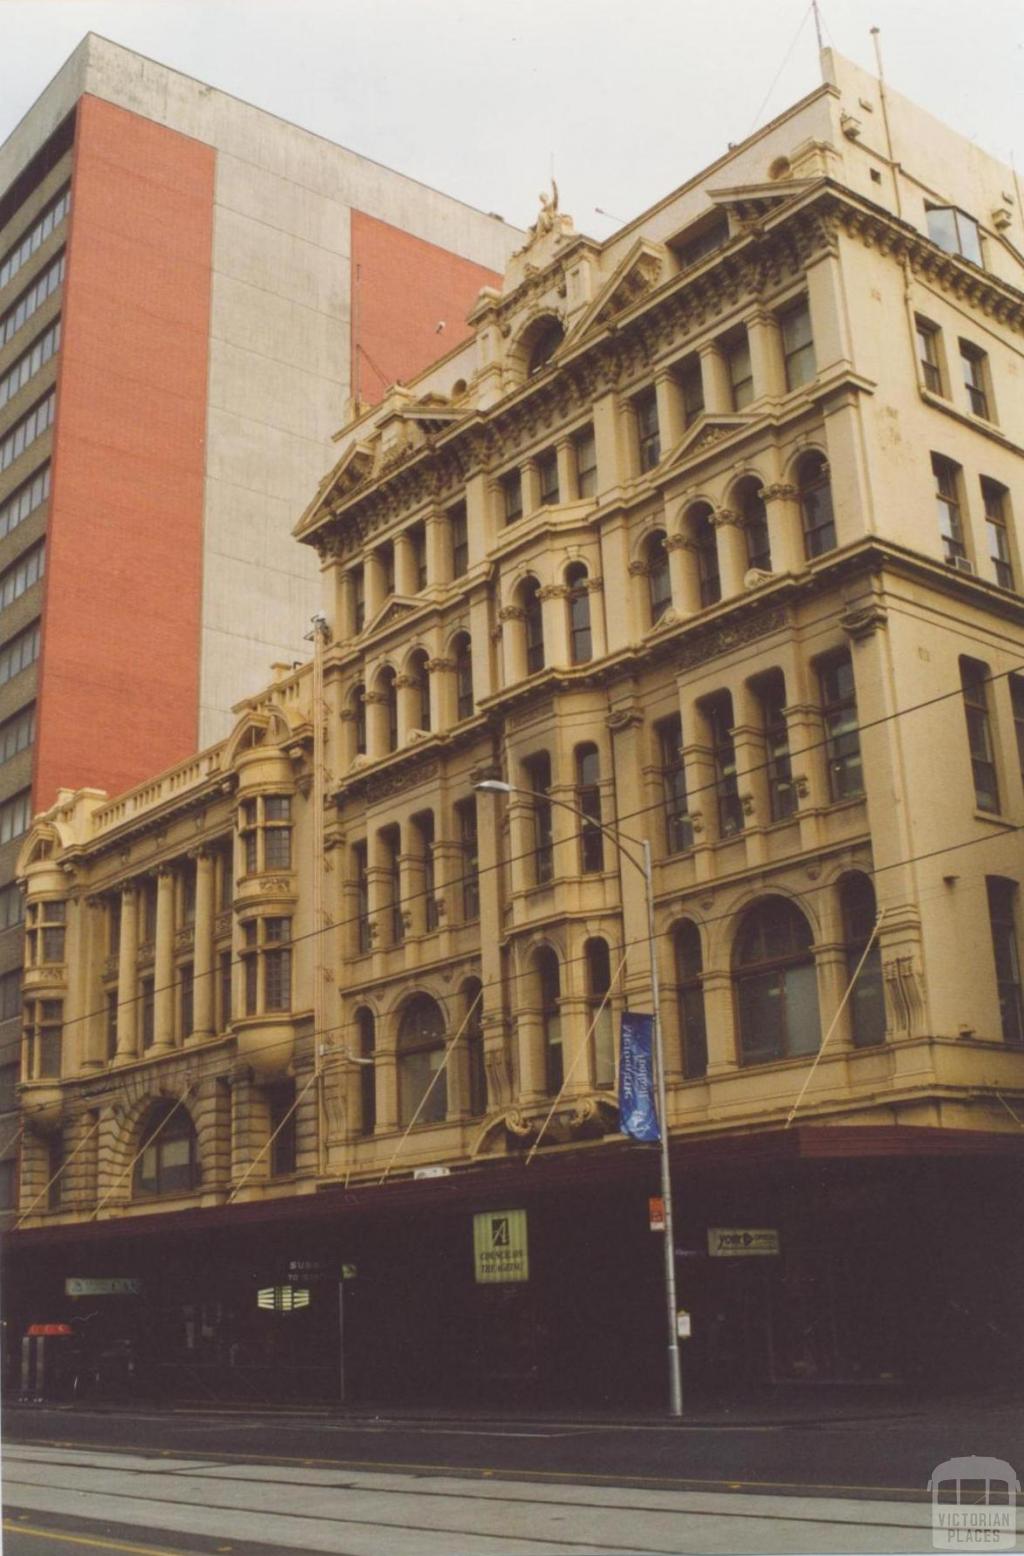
[[638, 1115]]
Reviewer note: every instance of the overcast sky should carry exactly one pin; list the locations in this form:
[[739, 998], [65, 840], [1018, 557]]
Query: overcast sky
[[627, 98]]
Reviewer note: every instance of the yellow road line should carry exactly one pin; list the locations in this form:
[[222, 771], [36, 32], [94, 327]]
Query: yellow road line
[[83, 1539], [469, 1470]]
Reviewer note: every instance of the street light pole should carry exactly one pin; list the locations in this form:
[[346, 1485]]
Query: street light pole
[[643, 864]]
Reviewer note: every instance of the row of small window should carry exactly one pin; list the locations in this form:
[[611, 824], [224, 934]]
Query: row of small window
[[265, 832], [416, 912], [421, 1040], [17, 734], [414, 539], [974, 369], [21, 652], [15, 816], [417, 676], [184, 901], [25, 432], [30, 495], [949, 500], [975, 678], [24, 247], [22, 574], [549, 481], [29, 363], [31, 299]]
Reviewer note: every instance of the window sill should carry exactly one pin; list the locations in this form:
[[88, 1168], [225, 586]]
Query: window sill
[[995, 819], [989, 429]]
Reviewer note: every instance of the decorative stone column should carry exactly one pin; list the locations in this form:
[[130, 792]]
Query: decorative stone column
[[386, 1075], [682, 563], [202, 951], [164, 985], [373, 584], [443, 708], [732, 550], [513, 642], [376, 723], [719, 1021], [127, 958], [565, 455], [714, 374], [782, 507], [671, 414], [766, 359], [556, 627], [406, 581], [439, 549], [531, 487]]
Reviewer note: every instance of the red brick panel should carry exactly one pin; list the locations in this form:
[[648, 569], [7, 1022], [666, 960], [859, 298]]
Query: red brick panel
[[119, 678], [402, 288]]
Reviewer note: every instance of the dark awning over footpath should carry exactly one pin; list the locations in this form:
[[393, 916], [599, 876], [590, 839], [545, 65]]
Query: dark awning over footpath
[[498, 1182]]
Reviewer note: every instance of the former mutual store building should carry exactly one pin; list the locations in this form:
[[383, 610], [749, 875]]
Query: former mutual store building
[[708, 530]]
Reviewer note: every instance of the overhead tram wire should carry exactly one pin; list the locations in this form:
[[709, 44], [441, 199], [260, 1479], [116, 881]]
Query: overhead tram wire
[[656, 806]]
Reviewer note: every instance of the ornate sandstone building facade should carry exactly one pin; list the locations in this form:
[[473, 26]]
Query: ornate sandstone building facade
[[706, 535]]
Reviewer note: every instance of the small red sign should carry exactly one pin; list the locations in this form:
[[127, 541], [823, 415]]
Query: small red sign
[[48, 1329], [656, 1207]]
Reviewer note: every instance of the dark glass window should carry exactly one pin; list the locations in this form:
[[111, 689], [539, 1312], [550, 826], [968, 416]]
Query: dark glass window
[[466, 812], [947, 501], [781, 790], [600, 1017], [755, 529], [549, 987], [277, 957], [647, 430], [358, 599], [659, 578], [281, 1120], [585, 449], [994, 497], [842, 733], [973, 679], [459, 527], [547, 478], [678, 827], [422, 1092], [538, 772], [359, 715], [391, 845], [367, 1035], [928, 355], [867, 999], [1017, 704], [706, 547], [776, 985], [798, 345], [148, 1013], [741, 372], [588, 800], [581, 647], [361, 876], [718, 712], [816, 506], [690, 995], [533, 612], [954, 231], [169, 1163], [474, 1035], [1004, 948], [186, 988], [512, 496], [416, 539], [972, 363], [691, 384], [463, 677]]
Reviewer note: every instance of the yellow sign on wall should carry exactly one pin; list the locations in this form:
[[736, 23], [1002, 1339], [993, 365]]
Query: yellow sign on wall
[[499, 1246]]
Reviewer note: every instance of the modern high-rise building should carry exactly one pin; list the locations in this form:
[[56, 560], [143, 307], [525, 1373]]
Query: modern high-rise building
[[708, 539], [193, 295]]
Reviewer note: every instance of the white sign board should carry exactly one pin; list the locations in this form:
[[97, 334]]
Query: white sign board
[[683, 1326], [742, 1242], [105, 1286]]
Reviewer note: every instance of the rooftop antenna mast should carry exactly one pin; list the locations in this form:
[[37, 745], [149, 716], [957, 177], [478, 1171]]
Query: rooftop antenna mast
[[817, 24]]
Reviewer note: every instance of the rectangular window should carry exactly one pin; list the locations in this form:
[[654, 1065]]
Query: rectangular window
[[678, 827], [547, 478], [10, 1076], [1004, 948], [7, 1182], [718, 712], [466, 813], [15, 816], [281, 1119], [1017, 703], [17, 733], [741, 372], [10, 994], [358, 599], [46, 922], [49, 1018], [277, 843], [22, 574], [648, 433], [277, 971], [111, 1025], [25, 368], [691, 385], [512, 496], [386, 558], [19, 653], [974, 680], [459, 529], [416, 539], [146, 1000], [538, 771], [975, 371], [585, 450], [954, 232], [798, 345], [588, 800], [781, 790], [25, 432], [842, 734], [996, 502], [29, 496], [12, 906], [149, 912], [928, 355], [31, 299], [423, 832], [22, 251], [224, 991], [186, 992], [361, 877], [391, 848], [947, 502]]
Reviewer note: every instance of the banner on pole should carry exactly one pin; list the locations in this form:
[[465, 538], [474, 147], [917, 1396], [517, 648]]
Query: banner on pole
[[638, 1114]]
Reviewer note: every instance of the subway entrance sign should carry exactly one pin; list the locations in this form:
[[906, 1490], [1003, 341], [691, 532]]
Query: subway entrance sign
[[731, 1242], [499, 1246]]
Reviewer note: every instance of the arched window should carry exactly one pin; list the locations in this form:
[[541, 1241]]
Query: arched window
[[588, 800], [549, 990], [387, 689], [867, 1000], [359, 717], [170, 1163], [421, 1044], [473, 1015], [581, 648], [816, 505], [463, 677], [705, 545], [659, 582], [366, 1033], [690, 994], [545, 343], [755, 526], [599, 1017], [530, 601], [421, 678], [776, 985]]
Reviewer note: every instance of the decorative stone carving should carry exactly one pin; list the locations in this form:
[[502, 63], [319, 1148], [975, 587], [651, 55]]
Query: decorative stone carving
[[723, 636], [440, 664], [511, 613], [904, 998], [747, 801], [778, 492], [621, 719], [859, 622], [720, 516]]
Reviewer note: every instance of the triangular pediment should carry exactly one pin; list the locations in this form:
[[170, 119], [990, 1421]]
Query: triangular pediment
[[705, 432], [634, 277], [392, 611], [749, 201], [354, 467]]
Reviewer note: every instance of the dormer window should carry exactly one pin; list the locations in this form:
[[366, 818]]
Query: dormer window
[[700, 240], [545, 345], [954, 231]]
